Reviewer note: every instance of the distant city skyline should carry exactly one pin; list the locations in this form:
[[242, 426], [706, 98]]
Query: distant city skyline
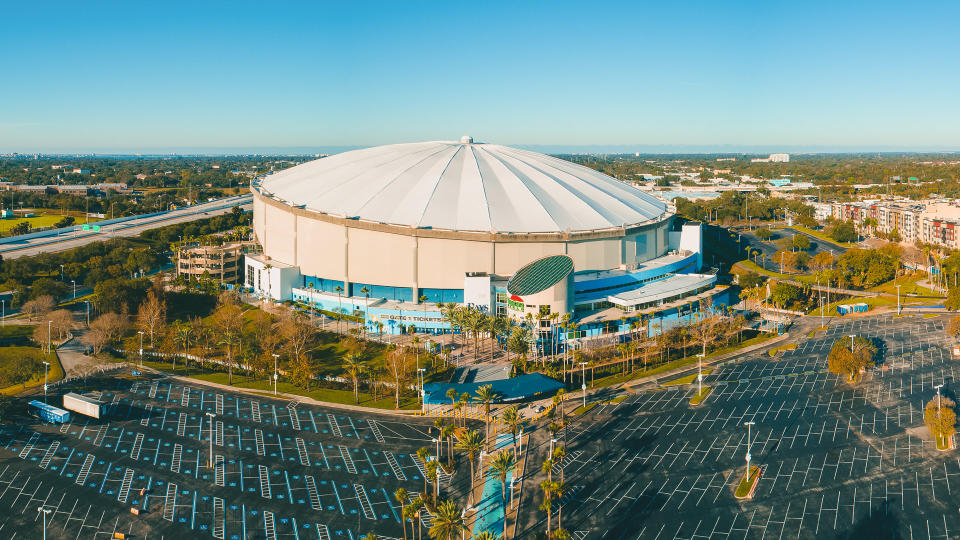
[[655, 77]]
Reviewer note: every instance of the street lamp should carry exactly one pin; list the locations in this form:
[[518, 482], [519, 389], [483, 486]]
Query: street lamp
[[275, 356], [583, 377], [88, 313], [141, 347], [898, 299], [420, 375], [851, 344], [699, 374], [49, 340], [45, 366], [46, 512], [74, 288], [938, 387], [211, 416], [3, 313], [748, 424]]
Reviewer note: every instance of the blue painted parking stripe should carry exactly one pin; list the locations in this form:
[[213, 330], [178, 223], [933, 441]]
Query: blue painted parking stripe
[[243, 516], [241, 482], [289, 491], [146, 496], [72, 450], [156, 454], [312, 421], [375, 473], [120, 437], [386, 495], [196, 470], [107, 474], [280, 445], [337, 493], [193, 512], [296, 534], [324, 454]]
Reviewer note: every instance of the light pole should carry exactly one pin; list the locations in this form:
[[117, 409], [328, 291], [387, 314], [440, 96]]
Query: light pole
[[583, 386], [420, 375], [46, 512], [821, 312], [437, 440], [748, 424], [699, 374], [938, 387], [74, 288], [275, 356], [3, 313], [141, 347], [45, 366], [898, 299], [851, 343], [49, 340], [88, 313], [211, 416]]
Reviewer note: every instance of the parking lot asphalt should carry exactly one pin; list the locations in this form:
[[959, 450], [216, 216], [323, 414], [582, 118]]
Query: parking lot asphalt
[[838, 460], [279, 469]]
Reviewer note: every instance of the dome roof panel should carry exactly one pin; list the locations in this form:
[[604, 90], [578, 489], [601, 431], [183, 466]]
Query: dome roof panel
[[464, 186]]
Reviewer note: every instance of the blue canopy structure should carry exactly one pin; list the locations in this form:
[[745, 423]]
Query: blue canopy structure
[[534, 385]]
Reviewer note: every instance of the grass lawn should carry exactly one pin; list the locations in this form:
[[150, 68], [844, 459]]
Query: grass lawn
[[331, 395], [42, 219], [753, 267], [17, 331], [55, 373], [743, 489], [583, 410], [822, 236], [787, 347], [685, 380], [700, 396], [908, 285]]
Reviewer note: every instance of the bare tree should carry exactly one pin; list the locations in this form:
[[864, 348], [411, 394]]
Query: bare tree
[[62, 322], [104, 330], [152, 314], [399, 366], [38, 307]]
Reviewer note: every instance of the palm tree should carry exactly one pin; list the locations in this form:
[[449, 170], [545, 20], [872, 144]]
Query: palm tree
[[354, 367], [486, 395], [339, 290], [227, 340], [183, 335], [401, 496], [550, 490], [447, 433], [424, 454], [448, 522], [408, 514], [513, 418], [433, 472], [486, 535], [471, 443], [366, 294], [502, 464]]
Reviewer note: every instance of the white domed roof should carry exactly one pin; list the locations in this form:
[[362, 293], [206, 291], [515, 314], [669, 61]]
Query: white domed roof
[[463, 186]]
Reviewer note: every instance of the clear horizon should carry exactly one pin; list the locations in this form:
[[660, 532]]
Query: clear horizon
[[692, 77]]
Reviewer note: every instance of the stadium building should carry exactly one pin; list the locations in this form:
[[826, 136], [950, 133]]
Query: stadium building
[[386, 233]]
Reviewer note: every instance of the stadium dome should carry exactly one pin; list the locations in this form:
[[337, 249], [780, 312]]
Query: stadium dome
[[463, 186]]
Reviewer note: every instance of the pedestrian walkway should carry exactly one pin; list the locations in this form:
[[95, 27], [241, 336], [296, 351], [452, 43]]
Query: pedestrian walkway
[[490, 509]]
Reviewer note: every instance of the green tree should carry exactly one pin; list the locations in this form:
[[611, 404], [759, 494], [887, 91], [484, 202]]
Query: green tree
[[502, 465], [448, 522], [353, 365], [763, 233], [941, 419], [784, 295], [486, 395]]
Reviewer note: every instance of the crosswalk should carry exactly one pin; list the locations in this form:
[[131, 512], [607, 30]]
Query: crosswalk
[[125, 485], [28, 447], [153, 389], [137, 444], [185, 397], [395, 466], [312, 493], [269, 526], [347, 460], [334, 426], [170, 502], [365, 505], [219, 404], [177, 454], [265, 483], [294, 418], [146, 416], [258, 439], [84, 470], [255, 410], [218, 470], [101, 433], [182, 424], [323, 533], [218, 518], [219, 431], [49, 454], [302, 450], [376, 431]]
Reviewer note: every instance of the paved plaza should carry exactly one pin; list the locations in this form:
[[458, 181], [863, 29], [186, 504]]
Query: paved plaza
[[839, 461]]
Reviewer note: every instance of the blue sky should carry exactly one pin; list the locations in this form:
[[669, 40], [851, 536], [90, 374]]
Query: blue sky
[[131, 77]]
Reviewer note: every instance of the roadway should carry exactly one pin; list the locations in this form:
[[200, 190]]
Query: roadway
[[12, 248]]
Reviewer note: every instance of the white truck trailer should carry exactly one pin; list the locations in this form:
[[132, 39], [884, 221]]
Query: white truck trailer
[[84, 405]]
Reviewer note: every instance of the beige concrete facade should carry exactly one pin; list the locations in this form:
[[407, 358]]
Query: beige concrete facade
[[222, 263], [358, 251]]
